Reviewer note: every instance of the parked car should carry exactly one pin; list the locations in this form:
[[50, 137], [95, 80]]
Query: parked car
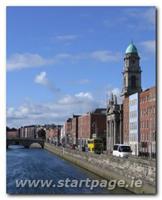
[[121, 150]]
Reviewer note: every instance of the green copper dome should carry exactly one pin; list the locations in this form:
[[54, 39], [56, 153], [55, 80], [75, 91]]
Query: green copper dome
[[131, 49]]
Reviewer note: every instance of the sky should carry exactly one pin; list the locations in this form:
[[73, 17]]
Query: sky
[[68, 60]]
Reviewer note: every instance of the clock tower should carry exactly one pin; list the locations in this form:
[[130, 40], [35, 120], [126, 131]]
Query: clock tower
[[132, 71]]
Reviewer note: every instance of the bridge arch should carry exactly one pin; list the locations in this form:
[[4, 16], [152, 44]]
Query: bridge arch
[[26, 142], [36, 144]]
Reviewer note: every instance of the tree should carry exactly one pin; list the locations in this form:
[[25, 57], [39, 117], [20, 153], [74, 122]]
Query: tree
[[41, 134]]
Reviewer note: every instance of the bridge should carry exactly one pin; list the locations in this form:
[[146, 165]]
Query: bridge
[[26, 142]]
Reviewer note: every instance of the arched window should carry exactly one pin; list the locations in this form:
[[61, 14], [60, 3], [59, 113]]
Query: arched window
[[133, 81]]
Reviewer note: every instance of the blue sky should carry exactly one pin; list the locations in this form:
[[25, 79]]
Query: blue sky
[[67, 60]]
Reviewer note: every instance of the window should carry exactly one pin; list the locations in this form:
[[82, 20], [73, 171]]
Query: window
[[133, 82], [125, 81], [133, 61]]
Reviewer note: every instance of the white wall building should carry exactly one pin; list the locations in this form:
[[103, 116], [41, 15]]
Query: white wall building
[[134, 123]]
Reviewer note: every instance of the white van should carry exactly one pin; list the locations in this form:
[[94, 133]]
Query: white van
[[122, 150]]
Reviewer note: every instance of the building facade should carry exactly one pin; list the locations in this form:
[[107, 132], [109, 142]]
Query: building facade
[[68, 131], [12, 133], [92, 125], [131, 85], [139, 108], [28, 131], [148, 129], [132, 71], [53, 134], [74, 131], [134, 123], [126, 120], [114, 122]]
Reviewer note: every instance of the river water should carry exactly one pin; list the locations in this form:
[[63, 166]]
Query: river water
[[39, 164]]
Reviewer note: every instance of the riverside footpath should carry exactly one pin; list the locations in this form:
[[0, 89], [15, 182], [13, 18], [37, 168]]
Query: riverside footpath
[[109, 167]]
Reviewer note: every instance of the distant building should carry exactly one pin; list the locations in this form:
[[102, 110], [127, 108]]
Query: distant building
[[63, 135], [12, 132], [74, 130], [28, 131], [68, 131], [92, 125], [53, 134]]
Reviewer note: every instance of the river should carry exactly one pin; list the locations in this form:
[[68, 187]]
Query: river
[[39, 164]]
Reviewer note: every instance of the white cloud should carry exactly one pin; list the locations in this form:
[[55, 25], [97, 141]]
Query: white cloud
[[149, 46], [105, 56], [26, 60], [86, 95], [79, 98], [42, 79], [56, 112]]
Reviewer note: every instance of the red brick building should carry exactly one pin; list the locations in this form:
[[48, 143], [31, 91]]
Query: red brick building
[[53, 134], [12, 133], [74, 129], [92, 124], [68, 131], [148, 121]]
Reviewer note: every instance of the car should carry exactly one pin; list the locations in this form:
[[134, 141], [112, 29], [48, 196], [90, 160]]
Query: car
[[121, 150]]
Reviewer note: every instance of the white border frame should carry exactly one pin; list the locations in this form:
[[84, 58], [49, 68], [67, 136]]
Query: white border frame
[[3, 5]]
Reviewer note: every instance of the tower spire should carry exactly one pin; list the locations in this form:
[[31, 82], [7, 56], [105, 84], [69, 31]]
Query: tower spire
[[132, 71]]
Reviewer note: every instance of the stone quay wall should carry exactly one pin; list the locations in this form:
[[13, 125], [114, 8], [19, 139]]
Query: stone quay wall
[[110, 167]]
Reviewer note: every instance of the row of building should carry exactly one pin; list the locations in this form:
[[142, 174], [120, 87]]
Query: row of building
[[134, 121], [131, 122], [79, 129]]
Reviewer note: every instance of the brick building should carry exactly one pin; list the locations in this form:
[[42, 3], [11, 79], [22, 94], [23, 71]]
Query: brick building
[[68, 131], [148, 127], [74, 129], [126, 120], [53, 134], [92, 125], [12, 133]]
